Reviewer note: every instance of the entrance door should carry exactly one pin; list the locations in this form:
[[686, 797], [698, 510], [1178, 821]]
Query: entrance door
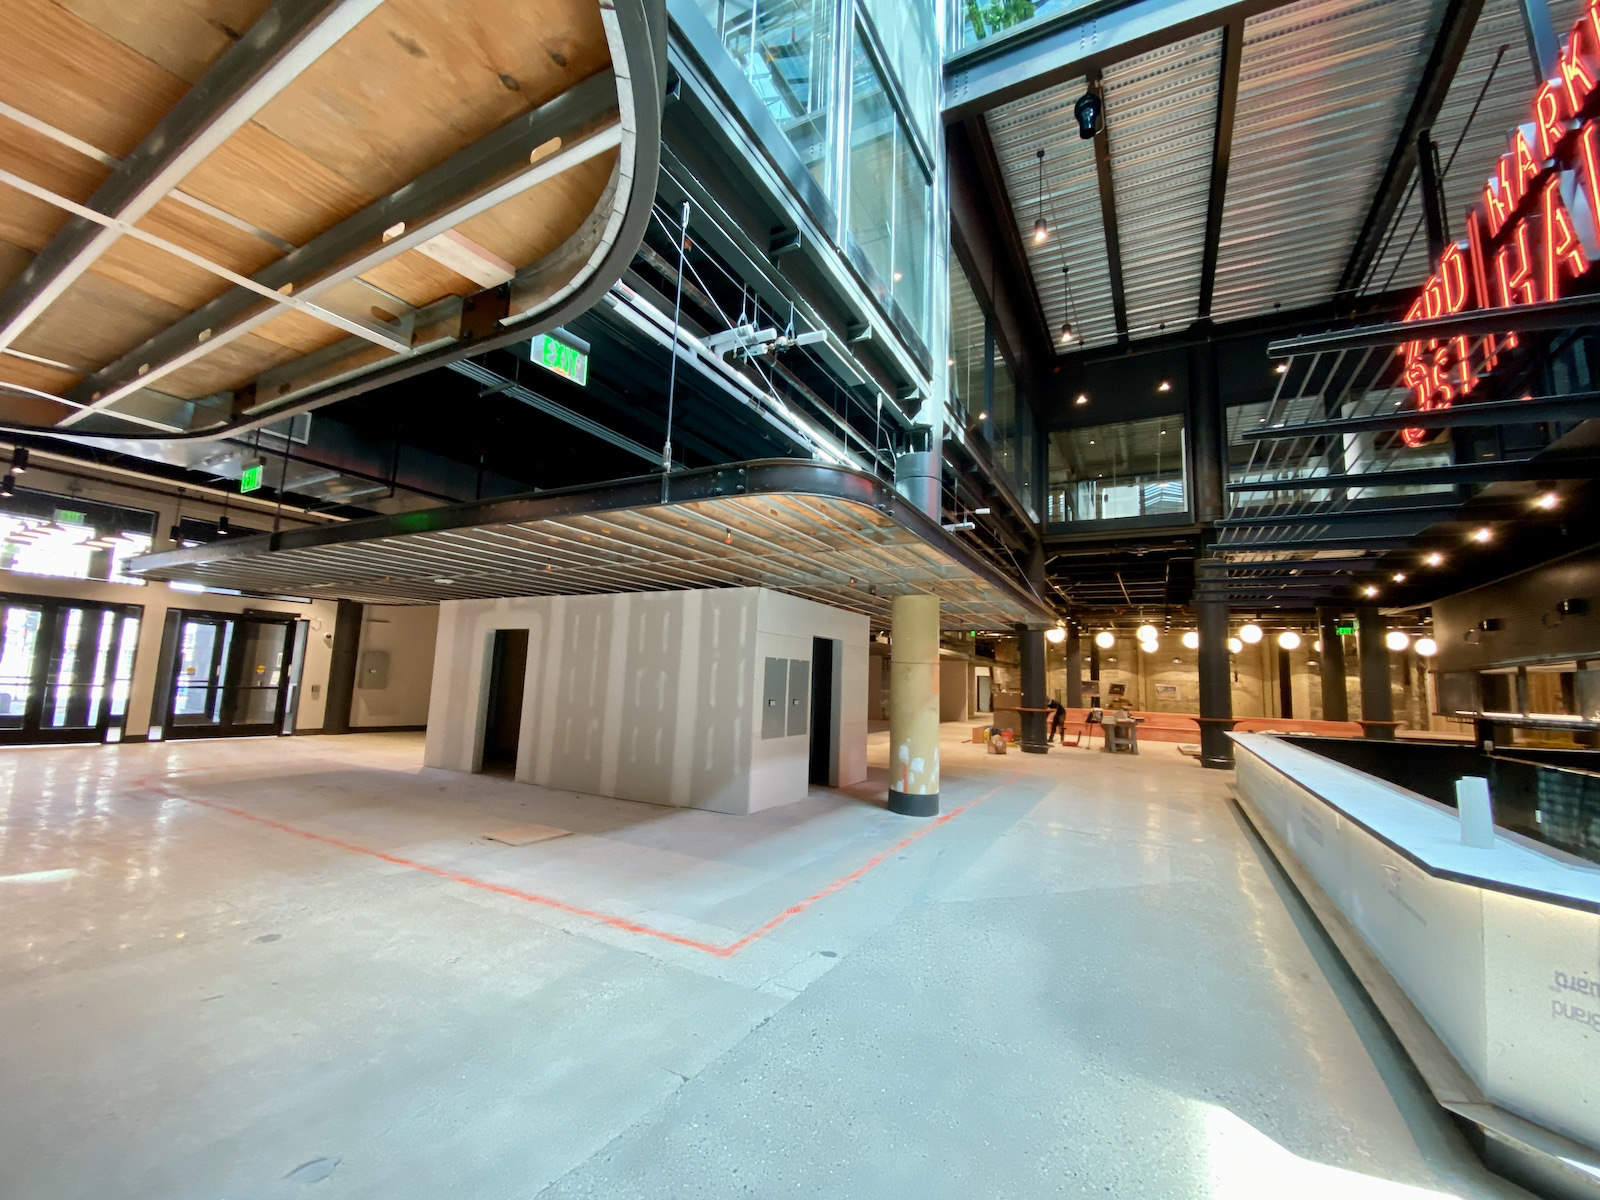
[[824, 720], [65, 670], [502, 725], [230, 677]]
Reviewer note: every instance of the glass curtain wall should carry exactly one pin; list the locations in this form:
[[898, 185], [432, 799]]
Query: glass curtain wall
[[783, 47], [980, 19], [1013, 435], [891, 195], [1130, 469], [966, 348]]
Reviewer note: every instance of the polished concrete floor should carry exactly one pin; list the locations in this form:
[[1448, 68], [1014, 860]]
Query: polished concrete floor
[[274, 968]]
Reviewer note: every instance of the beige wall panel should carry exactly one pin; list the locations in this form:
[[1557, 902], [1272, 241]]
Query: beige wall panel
[[419, 79], [527, 227], [406, 633], [305, 197], [182, 36], [63, 70]]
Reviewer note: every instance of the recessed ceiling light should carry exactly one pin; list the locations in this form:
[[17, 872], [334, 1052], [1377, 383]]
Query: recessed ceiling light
[[1399, 576], [1434, 559], [1482, 534], [1548, 500], [1369, 590], [1164, 386], [1082, 399], [444, 580], [1282, 368]]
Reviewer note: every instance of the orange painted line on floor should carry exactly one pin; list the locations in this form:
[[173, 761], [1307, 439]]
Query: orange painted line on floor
[[621, 923]]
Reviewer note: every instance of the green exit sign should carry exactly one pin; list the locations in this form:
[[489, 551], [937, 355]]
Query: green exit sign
[[1345, 629], [250, 477], [565, 360]]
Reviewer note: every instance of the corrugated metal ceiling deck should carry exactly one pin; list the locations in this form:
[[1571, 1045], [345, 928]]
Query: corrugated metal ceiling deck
[[1506, 103], [825, 533], [1161, 117], [1071, 206], [1324, 89]]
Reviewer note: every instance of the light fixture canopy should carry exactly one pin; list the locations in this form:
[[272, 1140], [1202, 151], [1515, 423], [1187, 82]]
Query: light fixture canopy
[[1289, 640], [1426, 647], [1105, 639], [1191, 640], [1250, 634], [1397, 640]]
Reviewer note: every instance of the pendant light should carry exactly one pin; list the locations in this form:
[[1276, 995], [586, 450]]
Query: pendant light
[[1041, 227], [1067, 332]]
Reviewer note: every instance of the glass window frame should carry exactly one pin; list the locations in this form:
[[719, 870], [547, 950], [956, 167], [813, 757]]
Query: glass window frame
[[864, 35], [1165, 518]]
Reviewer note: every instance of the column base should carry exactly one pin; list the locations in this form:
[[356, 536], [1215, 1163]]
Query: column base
[[1217, 764], [913, 806], [1036, 747]]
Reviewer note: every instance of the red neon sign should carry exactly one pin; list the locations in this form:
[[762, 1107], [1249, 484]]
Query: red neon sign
[[1537, 226]]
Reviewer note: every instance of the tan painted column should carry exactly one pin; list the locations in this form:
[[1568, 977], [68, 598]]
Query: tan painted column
[[914, 706]]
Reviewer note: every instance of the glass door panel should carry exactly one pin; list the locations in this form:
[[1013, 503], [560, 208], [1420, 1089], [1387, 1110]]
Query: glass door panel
[[229, 676], [19, 645], [197, 691], [258, 672]]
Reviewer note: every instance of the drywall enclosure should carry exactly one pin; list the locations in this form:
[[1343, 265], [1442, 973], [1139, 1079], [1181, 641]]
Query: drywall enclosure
[[657, 696]]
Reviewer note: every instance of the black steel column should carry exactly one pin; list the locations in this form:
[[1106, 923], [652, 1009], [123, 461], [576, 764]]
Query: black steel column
[[1207, 431], [1035, 730], [1335, 702], [342, 668], [1074, 667], [1377, 702], [1216, 685]]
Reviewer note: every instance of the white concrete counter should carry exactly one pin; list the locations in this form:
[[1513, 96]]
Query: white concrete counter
[[1498, 949]]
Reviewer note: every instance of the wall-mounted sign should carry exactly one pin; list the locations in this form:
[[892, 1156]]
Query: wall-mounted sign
[[561, 357], [1345, 629], [250, 476], [1534, 230]]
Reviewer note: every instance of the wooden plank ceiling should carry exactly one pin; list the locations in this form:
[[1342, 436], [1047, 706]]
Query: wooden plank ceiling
[[413, 83]]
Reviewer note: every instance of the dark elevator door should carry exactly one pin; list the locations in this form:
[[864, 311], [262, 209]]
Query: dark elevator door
[[503, 722], [823, 729]]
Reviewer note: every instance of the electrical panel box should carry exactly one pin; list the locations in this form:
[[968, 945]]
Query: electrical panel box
[[774, 698], [374, 672], [799, 697]]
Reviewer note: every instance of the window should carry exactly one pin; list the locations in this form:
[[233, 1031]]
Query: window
[[979, 19], [1011, 435], [41, 535], [782, 47], [1131, 469], [909, 39], [966, 348], [890, 193]]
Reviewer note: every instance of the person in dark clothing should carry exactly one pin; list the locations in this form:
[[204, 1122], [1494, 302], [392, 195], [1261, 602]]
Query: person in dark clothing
[[1058, 721]]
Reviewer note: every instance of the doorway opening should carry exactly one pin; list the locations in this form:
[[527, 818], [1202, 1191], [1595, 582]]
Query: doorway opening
[[229, 675], [66, 669], [502, 725], [824, 712]]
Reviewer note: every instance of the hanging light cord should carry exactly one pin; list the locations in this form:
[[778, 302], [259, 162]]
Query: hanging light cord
[[672, 371]]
